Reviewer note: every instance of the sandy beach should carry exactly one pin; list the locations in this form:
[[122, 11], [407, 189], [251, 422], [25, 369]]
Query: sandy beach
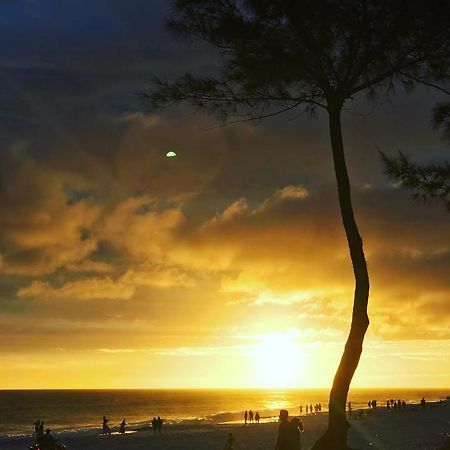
[[412, 429]]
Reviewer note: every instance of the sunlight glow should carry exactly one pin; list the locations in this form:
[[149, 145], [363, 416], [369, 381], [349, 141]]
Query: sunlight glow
[[278, 358]]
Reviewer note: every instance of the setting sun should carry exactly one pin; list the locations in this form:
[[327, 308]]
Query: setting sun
[[278, 358]]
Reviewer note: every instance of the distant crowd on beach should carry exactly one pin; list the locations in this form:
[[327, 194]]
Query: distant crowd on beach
[[309, 408], [391, 405], [250, 417], [156, 424]]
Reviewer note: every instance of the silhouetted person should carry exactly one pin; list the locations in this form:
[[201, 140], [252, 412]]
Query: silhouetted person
[[297, 422], [307, 409], [105, 427], [40, 431], [122, 427], [257, 417], [229, 445], [301, 409], [311, 409], [36, 427], [423, 403], [154, 425], [288, 433], [47, 441], [349, 410], [245, 417], [250, 416], [404, 404], [160, 423]]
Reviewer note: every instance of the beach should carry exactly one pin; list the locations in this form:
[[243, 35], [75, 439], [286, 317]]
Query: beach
[[412, 429]]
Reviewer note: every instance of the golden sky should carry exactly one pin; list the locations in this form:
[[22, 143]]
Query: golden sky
[[226, 266]]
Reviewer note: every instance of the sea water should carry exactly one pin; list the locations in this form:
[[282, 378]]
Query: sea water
[[77, 410]]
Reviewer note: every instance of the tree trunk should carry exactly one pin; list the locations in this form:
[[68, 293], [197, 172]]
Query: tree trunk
[[335, 438]]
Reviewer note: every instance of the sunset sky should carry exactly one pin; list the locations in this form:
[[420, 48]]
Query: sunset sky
[[226, 266]]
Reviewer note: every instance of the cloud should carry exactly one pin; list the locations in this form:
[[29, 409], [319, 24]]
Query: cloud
[[92, 289], [235, 210]]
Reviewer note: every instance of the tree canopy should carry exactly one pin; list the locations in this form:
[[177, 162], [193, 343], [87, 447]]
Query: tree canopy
[[427, 182], [280, 54]]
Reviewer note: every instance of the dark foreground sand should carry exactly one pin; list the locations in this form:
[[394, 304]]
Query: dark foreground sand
[[407, 430]]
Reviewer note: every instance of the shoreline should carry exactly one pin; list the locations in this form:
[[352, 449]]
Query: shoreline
[[411, 429]]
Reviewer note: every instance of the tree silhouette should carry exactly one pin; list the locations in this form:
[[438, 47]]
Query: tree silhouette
[[279, 55], [429, 182]]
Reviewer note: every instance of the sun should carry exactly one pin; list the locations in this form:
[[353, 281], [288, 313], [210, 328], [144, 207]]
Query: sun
[[278, 358]]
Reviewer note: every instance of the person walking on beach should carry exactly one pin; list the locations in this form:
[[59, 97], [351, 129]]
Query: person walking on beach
[[288, 432], [301, 409], [257, 417], [122, 427], [423, 403], [159, 427], [231, 442], [105, 427], [245, 417], [154, 425], [250, 416]]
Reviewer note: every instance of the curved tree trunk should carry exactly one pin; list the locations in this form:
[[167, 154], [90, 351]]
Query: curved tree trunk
[[335, 437]]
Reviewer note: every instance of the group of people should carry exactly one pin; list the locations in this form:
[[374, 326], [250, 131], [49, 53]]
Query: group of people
[[44, 440], [250, 417], [107, 430], [391, 405], [396, 405], [157, 425], [289, 431], [310, 409]]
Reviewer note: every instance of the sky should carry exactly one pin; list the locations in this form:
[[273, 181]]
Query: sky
[[226, 266]]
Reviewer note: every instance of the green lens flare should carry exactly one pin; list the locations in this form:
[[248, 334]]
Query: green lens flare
[[171, 154]]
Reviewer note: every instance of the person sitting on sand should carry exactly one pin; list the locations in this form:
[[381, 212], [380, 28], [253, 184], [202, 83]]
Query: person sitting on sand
[[288, 432], [47, 441], [122, 427], [231, 442]]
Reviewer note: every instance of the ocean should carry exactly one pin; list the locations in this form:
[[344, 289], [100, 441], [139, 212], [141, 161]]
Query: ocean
[[79, 410]]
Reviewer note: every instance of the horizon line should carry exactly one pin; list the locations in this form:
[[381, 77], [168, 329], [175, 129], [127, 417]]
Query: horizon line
[[216, 388]]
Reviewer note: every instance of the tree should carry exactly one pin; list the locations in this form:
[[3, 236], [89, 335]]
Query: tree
[[430, 181], [279, 55]]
